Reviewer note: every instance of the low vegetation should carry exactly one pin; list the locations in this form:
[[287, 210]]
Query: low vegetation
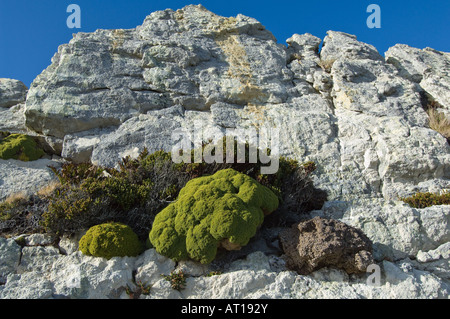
[[177, 279], [134, 193], [19, 147], [423, 200], [439, 122]]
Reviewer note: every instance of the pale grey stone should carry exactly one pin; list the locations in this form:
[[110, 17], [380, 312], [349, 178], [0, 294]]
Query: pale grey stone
[[13, 119], [12, 92], [151, 266], [25, 177], [82, 277], [37, 259], [428, 67], [39, 240], [10, 253], [30, 285]]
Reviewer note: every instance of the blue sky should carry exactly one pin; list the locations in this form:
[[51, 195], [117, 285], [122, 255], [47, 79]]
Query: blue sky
[[32, 30]]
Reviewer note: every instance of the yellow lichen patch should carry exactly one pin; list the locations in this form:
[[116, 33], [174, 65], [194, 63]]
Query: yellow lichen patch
[[439, 122], [118, 38], [343, 99], [226, 36], [240, 68], [258, 114], [179, 14]]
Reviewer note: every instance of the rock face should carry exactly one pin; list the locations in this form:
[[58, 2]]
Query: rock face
[[25, 177], [357, 114], [428, 67], [42, 272], [320, 242], [12, 92]]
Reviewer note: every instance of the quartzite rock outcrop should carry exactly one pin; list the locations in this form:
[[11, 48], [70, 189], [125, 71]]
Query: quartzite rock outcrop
[[358, 115]]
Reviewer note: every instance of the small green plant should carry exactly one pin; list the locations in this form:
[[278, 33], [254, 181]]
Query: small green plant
[[139, 189], [21, 241], [423, 200], [141, 289], [177, 279], [214, 273], [110, 240], [20, 147]]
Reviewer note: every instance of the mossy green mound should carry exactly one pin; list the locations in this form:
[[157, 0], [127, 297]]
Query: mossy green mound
[[20, 147], [222, 209], [110, 240]]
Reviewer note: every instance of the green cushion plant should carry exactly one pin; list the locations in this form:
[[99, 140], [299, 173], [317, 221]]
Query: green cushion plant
[[20, 147], [110, 240], [224, 209]]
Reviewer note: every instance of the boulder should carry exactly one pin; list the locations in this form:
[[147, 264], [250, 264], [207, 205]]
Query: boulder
[[10, 254], [428, 67], [320, 242], [12, 92], [25, 177]]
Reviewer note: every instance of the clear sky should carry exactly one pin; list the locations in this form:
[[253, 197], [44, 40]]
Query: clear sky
[[32, 30]]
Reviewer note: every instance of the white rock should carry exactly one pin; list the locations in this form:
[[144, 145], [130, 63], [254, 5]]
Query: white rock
[[83, 277], [12, 92], [10, 253], [24, 177], [427, 67], [151, 266], [39, 240], [30, 285], [443, 251], [37, 259]]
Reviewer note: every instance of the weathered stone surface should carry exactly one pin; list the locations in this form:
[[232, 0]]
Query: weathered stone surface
[[9, 257], [38, 259], [39, 240], [24, 177], [26, 286], [83, 277], [13, 119], [12, 92], [396, 230], [155, 66], [321, 242], [151, 265], [428, 67]]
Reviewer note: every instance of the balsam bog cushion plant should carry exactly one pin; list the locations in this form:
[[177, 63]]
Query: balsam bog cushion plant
[[110, 240], [224, 209]]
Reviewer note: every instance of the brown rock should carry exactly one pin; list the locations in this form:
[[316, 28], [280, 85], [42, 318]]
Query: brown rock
[[320, 242]]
